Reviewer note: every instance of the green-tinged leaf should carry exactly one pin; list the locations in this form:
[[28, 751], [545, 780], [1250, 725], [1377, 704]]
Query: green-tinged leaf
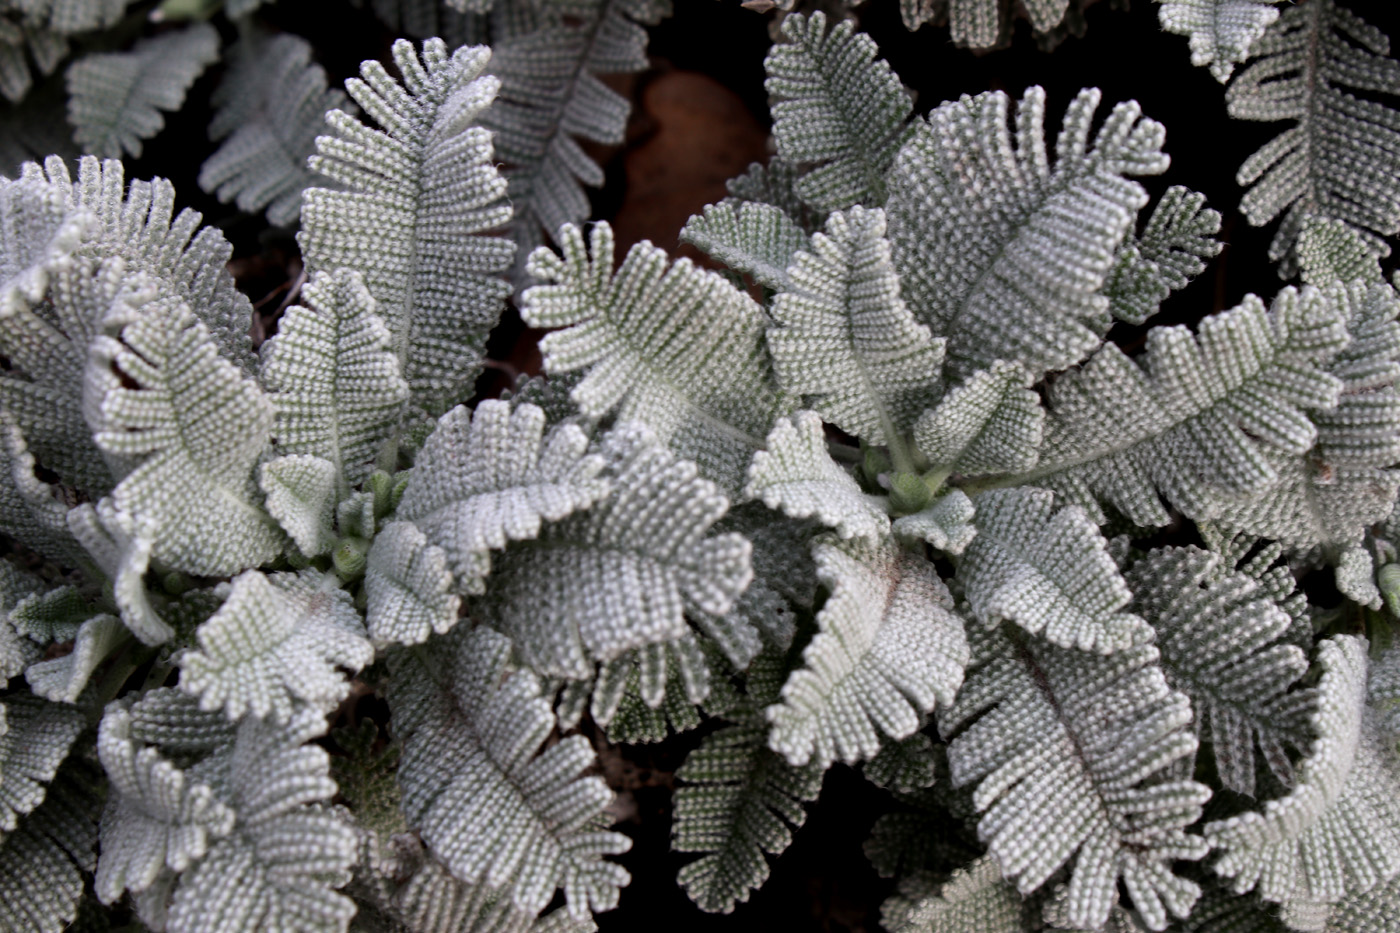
[[418, 194], [1223, 642], [333, 377], [740, 801], [493, 806], [1194, 420], [948, 524], [115, 99], [302, 491], [670, 345], [276, 641], [486, 478], [1048, 570], [625, 573], [192, 427], [845, 339], [408, 587], [1337, 832], [796, 476], [1172, 250], [838, 110], [888, 649], [1073, 756], [156, 818], [757, 239], [63, 679], [990, 423]]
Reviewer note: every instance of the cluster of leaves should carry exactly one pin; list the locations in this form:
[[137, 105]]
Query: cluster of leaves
[[882, 494]]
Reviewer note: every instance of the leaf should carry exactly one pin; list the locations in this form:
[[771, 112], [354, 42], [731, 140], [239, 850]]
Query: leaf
[[740, 800], [269, 107], [1072, 754], [1172, 250], [302, 491], [625, 573], [63, 679], [192, 427], [678, 349], [888, 648], [552, 103], [1306, 67], [417, 196], [991, 423], [408, 587], [1338, 831], [844, 337], [756, 239], [287, 854], [35, 737], [1192, 423], [1048, 570], [837, 109], [136, 222], [487, 801], [1223, 643], [333, 378], [796, 476], [946, 524], [486, 478], [44, 860], [974, 898], [115, 98], [156, 818], [276, 641], [1002, 253], [1222, 32]]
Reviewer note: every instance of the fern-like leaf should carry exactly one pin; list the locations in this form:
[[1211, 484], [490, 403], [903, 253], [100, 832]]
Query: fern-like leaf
[[551, 98], [1048, 570], [625, 573], [1171, 250], [279, 867], [844, 337], [276, 641], [990, 423], [157, 818], [44, 860], [36, 737], [981, 221], [837, 109], [888, 648], [1222, 642], [1338, 831], [1072, 756], [1306, 67], [333, 378], [1194, 421], [270, 103], [974, 898], [756, 239], [489, 477], [191, 427], [1221, 32], [796, 476], [678, 349], [115, 99], [741, 801], [418, 192], [493, 806]]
